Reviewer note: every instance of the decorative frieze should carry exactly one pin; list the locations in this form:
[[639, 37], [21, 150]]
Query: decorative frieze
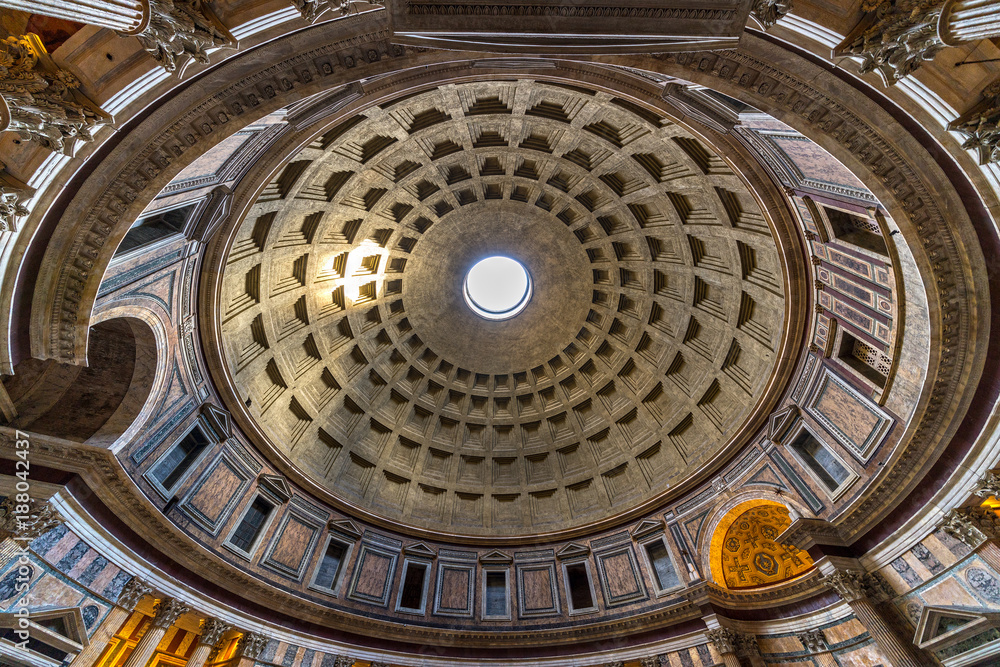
[[182, 31], [42, 102], [981, 124]]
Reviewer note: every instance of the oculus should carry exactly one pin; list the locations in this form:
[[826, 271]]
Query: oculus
[[497, 288]]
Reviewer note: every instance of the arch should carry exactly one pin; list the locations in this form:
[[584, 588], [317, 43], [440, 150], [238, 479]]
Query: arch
[[96, 403], [743, 552]]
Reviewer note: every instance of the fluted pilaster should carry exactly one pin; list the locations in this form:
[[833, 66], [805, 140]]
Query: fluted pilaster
[[129, 16], [211, 634], [857, 589], [968, 20]]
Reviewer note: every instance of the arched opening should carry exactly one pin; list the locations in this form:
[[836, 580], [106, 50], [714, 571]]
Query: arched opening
[[744, 551], [95, 403]]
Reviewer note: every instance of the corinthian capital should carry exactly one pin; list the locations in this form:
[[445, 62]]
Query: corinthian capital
[[27, 521], [250, 645], [988, 485], [981, 124], [724, 640], [212, 630], [849, 584], [769, 11], [167, 611], [40, 101], [894, 37], [972, 525], [132, 592], [182, 31]]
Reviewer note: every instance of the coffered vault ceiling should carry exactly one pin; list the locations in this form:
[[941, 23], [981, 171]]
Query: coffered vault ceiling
[[649, 340]]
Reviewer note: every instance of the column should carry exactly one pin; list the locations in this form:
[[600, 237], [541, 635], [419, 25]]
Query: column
[[166, 613], [211, 632], [968, 20], [129, 16], [99, 641], [725, 641], [857, 588]]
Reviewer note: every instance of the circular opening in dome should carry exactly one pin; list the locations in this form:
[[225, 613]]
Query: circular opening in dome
[[497, 288]]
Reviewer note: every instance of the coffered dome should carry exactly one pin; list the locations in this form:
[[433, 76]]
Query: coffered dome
[[647, 344]]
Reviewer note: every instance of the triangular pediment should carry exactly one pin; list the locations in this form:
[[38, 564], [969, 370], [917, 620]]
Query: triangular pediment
[[419, 549], [276, 485], [345, 527], [495, 557], [941, 626], [219, 420], [647, 526], [778, 422], [573, 549]]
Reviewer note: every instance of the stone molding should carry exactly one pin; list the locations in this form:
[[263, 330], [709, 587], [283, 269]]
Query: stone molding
[[41, 101]]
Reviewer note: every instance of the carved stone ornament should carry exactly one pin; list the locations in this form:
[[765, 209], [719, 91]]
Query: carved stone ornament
[[981, 124], [988, 485], [746, 645], [814, 640], [212, 630], [167, 611], [651, 661], [40, 101], [132, 592], [617, 663], [250, 645], [849, 584], [182, 31], [13, 193], [895, 37], [343, 661], [724, 640], [768, 12], [39, 519], [313, 9], [972, 525]]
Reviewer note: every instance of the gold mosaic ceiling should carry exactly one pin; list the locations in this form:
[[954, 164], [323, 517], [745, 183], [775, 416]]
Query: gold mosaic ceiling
[[650, 336]]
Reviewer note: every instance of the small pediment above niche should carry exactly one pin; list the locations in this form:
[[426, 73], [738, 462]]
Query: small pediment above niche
[[419, 549], [276, 485], [573, 550], [779, 422], [646, 527], [345, 527], [941, 629], [495, 557], [218, 420]]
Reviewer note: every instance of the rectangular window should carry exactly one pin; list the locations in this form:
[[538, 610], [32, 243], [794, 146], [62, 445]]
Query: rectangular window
[[176, 462], [664, 574], [330, 566], [820, 460], [411, 595], [856, 230], [496, 595], [865, 358], [251, 525], [581, 596], [154, 227]]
